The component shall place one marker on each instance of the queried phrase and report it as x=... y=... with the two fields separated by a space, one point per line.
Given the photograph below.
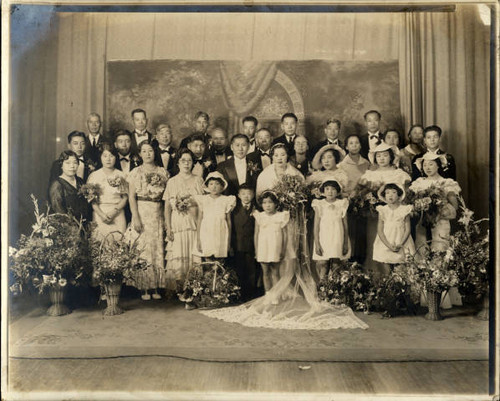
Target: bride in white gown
x=298 y=304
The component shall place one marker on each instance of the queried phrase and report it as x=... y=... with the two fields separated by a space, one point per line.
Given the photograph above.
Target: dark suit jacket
x=92 y=151
x=133 y=146
x=171 y=161
x=227 y=152
x=255 y=157
x=289 y=145
x=55 y=170
x=228 y=170
x=134 y=162
x=243 y=224
x=319 y=145
x=365 y=145
x=448 y=171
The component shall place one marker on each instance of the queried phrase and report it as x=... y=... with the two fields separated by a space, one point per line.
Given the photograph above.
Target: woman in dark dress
x=64 y=192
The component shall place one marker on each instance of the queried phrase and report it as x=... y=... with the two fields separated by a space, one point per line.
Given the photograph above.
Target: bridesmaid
x=180 y=220
x=64 y=191
x=146 y=187
x=109 y=215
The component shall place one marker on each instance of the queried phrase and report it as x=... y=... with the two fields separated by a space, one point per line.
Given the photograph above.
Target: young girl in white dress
x=214 y=218
x=270 y=238
x=393 y=241
x=331 y=239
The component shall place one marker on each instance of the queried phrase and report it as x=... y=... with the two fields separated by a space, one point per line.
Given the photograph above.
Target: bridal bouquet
x=54 y=254
x=428 y=201
x=210 y=285
x=91 y=192
x=292 y=193
x=119 y=183
x=155 y=185
x=183 y=202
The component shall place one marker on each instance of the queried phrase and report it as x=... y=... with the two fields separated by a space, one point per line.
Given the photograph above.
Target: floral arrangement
x=470 y=246
x=392 y=294
x=210 y=285
x=348 y=285
x=115 y=259
x=291 y=192
x=183 y=202
x=119 y=183
x=313 y=189
x=363 y=200
x=55 y=253
x=155 y=185
x=253 y=168
x=428 y=201
x=91 y=192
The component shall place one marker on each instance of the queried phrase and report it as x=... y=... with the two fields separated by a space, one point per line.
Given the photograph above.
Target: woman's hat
x=430 y=156
x=316 y=162
x=382 y=188
x=329 y=179
x=217 y=176
x=382 y=148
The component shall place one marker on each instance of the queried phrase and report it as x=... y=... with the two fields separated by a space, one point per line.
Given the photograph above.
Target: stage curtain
x=445 y=81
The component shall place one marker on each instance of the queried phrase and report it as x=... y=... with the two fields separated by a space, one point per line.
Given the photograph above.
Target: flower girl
x=214 y=218
x=331 y=240
x=270 y=238
x=393 y=239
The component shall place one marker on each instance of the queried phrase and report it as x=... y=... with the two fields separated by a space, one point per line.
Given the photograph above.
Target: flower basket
x=113 y=290
x=209 y=285
x=57 y=294
x=51 y=257
x=434 y=302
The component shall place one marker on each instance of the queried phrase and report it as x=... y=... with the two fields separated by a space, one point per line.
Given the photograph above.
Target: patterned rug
x=167 y=329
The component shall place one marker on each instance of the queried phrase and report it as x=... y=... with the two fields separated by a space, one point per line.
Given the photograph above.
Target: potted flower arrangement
x=115 y=259
x=470 y=246
x=432 y=273
x=210 y=285
x=51 y=257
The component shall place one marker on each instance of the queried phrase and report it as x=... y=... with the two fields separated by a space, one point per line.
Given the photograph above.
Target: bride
x=298 y=306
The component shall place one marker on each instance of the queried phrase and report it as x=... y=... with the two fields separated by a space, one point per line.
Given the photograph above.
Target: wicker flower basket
x=433 y=301
x=113 y=296
x=57 y=294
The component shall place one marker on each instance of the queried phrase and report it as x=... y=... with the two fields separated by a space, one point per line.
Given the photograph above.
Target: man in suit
x=242 y=244
x=77 y=142
x=332 y=131
x=94 y=137
x=250 y=124
x=373 y=136
x=261 y=155
x=201 y=123
x=432 y=138
x=203 y=165
x=220 y=151
x=236 y=170
x=140 y=133
x=127 y=159
x=288 y=127
x=164 y=151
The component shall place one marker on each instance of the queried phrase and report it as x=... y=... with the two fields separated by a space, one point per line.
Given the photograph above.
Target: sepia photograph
x=248 y=200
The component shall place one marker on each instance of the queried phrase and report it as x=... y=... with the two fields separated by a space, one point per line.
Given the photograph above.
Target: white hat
x=431 y=156
x=382 y=188
x=381 y=148
x=329 y=179
x=316 y=162
x=215 y=175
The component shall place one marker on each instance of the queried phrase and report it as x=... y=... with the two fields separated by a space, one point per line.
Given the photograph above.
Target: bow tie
x=164 y=151
x=264 y=154
x=220 y=152
x=141 y=135
x=373 y=136
x=124 y=159
x=199 y=161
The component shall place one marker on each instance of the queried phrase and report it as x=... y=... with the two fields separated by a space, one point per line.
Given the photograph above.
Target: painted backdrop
x=174 y=90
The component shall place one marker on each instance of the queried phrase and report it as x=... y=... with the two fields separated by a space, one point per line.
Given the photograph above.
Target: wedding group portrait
x=228 y=202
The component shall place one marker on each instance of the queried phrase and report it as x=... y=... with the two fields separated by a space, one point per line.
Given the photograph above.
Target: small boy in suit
x=243 y=224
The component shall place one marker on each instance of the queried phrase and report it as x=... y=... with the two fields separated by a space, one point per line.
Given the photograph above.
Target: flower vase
x=434 y=302
x=112 y=298
x=57 y=308
x=484 y=313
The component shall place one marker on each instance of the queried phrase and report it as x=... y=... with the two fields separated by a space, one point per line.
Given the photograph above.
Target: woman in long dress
x=298 y=306
x=180 y=220
x=147 y=184
x=64 y=191
x=109 y=215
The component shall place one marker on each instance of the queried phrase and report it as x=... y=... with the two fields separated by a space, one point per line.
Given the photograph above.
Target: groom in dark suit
x=238 y=170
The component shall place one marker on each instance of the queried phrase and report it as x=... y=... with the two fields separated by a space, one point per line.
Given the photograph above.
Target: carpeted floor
x=167 y=329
